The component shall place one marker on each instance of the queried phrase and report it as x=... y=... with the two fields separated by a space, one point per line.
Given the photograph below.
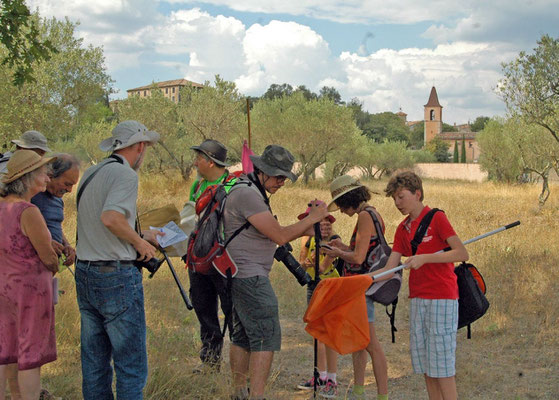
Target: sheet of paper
x=173 y=235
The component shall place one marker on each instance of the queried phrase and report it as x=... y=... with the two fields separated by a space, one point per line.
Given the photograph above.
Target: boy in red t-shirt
x=432 y=284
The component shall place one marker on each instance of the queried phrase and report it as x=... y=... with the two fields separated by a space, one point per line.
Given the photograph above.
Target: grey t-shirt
x=4 y=163
x=114 y=187
x=252 y=251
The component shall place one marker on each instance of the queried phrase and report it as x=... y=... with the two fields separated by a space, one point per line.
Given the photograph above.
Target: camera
x=152 y=265
x=283 y=254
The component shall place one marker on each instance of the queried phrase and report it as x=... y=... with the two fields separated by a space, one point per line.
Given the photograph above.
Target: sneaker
x=353 y=396
x=330 y=391
x=309 y=385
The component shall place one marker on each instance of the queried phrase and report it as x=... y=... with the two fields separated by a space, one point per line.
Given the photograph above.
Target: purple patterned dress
x=26 y=308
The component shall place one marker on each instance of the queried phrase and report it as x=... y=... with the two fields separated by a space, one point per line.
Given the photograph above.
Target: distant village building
x=433 y=118
x=170 y=89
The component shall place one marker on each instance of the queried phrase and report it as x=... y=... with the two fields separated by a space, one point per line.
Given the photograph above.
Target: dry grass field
x=513 y=353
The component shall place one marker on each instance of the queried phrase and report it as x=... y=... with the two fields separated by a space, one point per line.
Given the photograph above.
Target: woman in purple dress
x=27 y=264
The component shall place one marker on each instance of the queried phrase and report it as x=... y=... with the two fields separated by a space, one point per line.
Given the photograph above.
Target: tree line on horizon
x=52 y=82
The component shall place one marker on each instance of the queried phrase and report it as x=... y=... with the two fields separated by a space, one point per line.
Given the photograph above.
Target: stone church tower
x=433 y=117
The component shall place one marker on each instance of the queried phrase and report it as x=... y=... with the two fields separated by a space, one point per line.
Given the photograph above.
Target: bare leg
x=239 y=359
x=380 y=366
x=11 y=375
x=447 y=387
x=3 y=378
x=30 y=383
x=260 y=363
x=321 y=356
x=433 y=389
x=331 y=360
x=359 y=365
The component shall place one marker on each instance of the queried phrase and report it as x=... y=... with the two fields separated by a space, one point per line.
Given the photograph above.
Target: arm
x=303 y=252
x=365 y=229
x=457 y=253
x=33 y=226
x=392 y=262
x=68 y=251
x=118 y=225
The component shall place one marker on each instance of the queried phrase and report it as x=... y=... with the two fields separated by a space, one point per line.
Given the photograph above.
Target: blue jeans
x=113 y=325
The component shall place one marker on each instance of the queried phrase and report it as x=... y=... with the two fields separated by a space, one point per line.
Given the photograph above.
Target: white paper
x=173 y=235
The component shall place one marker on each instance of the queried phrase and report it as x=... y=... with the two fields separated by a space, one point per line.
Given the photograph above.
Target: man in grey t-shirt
x=256 y=329
x=108 y=285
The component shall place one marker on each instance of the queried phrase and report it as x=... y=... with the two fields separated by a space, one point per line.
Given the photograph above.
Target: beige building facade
x=170 y=89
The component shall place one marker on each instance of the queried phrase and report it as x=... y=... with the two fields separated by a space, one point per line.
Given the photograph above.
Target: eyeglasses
x=280 y=178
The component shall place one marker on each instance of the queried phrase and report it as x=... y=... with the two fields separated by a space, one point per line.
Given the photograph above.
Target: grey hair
x=20 y=186
x=63 y=163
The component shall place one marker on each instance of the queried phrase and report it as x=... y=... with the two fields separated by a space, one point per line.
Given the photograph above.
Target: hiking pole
x=179 y=284
x=317 y=240
x=474 y=239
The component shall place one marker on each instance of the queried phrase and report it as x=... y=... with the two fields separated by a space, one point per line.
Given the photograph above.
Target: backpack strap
x=378 y=227
x=88 y=180
x=422 y=229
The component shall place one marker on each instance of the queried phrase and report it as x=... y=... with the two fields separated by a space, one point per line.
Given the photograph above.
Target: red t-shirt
x=431 y=281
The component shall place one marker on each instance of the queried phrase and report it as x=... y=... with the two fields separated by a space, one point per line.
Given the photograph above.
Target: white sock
x=323 y=375
x=332 y=376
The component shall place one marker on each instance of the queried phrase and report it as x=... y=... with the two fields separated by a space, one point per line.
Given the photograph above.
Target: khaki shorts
x=255 y=315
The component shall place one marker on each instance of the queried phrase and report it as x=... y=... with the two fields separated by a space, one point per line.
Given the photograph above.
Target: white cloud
x=283 y=52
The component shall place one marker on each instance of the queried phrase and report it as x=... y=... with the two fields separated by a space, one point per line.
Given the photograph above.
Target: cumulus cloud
x=283 y=52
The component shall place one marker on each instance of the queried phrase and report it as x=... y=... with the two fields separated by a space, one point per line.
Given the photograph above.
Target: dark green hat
x=274 y=161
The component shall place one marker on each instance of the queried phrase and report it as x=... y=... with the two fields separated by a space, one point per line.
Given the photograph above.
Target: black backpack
x=472 y=303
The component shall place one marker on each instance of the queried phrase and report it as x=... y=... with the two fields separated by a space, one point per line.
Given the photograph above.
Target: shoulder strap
x=422 y=229
x=378 y=226
x=90 y=177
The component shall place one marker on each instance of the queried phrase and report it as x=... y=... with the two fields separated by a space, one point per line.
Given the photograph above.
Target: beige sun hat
x=22 y=162
x=340 y=186
x=126 y=134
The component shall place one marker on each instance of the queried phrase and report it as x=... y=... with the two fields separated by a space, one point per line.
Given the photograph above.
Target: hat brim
x=21 y=144
x=332 y=206
x=271 y=171
x=215 y=160
x=9 y=179
x=147 y=136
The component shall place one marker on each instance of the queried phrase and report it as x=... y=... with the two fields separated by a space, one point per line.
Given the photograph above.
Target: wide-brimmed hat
x=308 y=210
x=22 y=162
x=126 y=134
x=274 y=161
x=32 y=140
x=340 y=186
x=214 y=150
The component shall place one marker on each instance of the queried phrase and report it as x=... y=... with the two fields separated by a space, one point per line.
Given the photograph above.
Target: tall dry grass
x=513 y=352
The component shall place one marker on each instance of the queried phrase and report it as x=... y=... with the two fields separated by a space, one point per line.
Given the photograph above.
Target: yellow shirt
x=330 y=271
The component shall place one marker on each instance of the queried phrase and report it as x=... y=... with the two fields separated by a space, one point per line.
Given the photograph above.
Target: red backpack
x=207 y=247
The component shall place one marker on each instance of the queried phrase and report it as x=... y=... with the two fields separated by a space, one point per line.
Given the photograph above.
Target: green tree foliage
x=311 y=130
x=331 y=93
x=514 y=151
x=455 y=155
x=530 y=87
x=479 y=124
x=391 y=156
x=422 y=156
x=276 y=91
x=463 y=150
x=306 y=92
x=416 y=135
x=500 y=157
x=439 y=148
x=386 y=126
x=70 y=88
x=22 y=42
x=449 y=128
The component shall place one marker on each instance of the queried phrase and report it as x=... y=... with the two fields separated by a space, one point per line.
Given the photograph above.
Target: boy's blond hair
x=407 y=180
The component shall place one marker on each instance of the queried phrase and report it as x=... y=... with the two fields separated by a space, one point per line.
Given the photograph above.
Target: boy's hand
x=416 y=261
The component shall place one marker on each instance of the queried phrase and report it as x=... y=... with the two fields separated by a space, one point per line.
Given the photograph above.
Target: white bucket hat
x=126 y=134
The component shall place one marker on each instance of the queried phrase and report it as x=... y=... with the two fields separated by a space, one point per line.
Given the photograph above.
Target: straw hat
x=340 y=186
x=22 y=162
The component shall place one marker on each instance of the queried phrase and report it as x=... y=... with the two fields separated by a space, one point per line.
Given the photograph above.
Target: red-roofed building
x=170 y=89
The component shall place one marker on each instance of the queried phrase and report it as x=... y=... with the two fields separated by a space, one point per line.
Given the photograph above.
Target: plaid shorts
x=433 y=325
x=256 y=324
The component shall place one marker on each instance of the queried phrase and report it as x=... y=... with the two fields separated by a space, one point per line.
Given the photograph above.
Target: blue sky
x=387 y=54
